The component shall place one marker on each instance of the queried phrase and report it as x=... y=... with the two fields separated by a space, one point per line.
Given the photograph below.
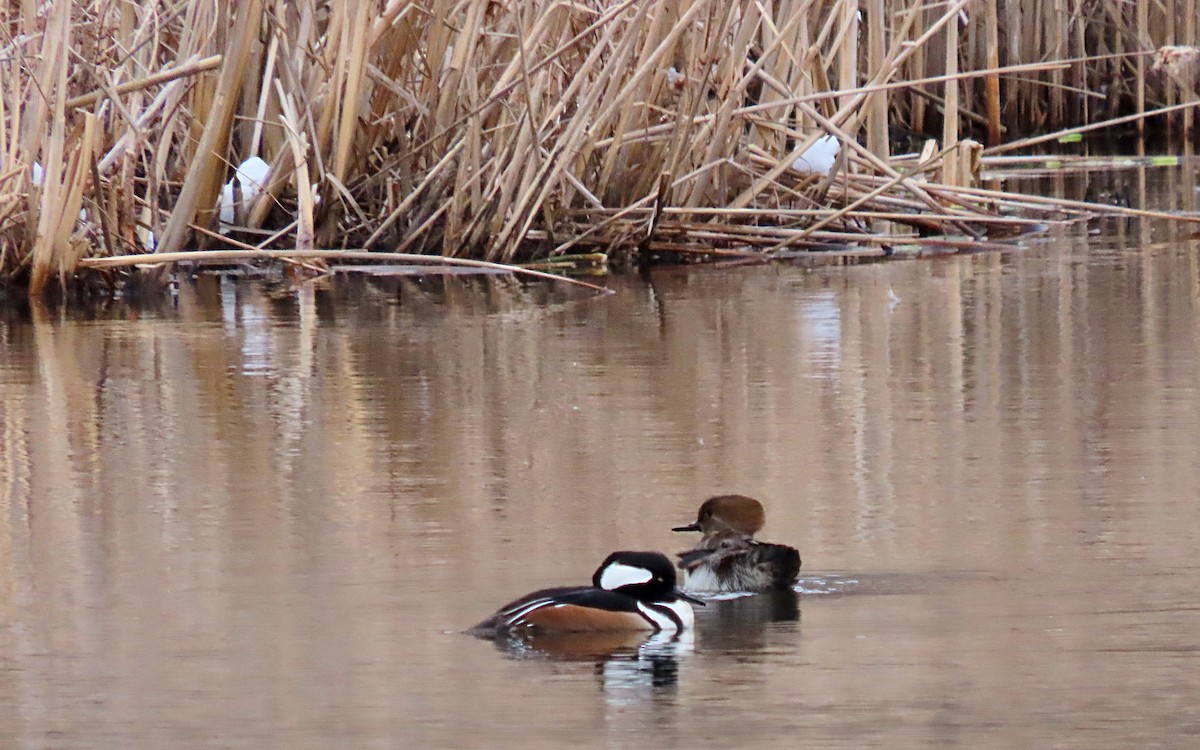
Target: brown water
x=258 y=519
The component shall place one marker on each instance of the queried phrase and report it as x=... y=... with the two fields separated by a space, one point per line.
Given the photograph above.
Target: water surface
x=259 y=518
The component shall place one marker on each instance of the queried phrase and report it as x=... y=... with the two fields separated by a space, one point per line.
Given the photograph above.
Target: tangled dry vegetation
x=509 y=131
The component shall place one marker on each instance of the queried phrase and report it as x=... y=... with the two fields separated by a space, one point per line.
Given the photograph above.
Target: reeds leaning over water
x=511 y=130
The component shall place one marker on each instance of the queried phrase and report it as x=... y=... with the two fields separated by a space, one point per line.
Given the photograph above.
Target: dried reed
x=510 y=131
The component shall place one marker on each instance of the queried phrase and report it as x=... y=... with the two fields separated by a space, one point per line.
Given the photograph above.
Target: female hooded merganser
x=728 y=558
x=629 y=591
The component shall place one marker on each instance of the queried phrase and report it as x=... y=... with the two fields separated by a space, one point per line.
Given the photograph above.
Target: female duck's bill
x=630 y=591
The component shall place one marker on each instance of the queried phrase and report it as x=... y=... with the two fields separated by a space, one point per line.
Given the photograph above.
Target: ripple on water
x=826 y=584
x=843 y=584
x=881 y=584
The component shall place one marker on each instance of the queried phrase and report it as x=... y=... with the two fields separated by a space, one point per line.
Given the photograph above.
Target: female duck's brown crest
x=728 y=514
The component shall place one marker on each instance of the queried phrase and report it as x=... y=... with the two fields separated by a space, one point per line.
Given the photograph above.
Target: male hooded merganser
x=629 y=591
x=728 y=558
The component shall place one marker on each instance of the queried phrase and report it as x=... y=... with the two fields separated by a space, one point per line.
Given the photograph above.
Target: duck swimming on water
x=630 y=591
x=728 y=558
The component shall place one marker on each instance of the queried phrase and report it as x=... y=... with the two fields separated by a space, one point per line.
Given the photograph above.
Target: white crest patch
x=618 y=574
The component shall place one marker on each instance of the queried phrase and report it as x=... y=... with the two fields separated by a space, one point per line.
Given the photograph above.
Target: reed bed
x=523 y=130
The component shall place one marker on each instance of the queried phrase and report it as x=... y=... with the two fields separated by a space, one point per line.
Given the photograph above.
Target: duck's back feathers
x=567 y=609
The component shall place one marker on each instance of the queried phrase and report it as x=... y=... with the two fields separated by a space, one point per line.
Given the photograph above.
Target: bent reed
x=530 y=129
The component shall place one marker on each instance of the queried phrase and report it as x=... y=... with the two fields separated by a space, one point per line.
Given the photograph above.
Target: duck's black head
x=648 y=576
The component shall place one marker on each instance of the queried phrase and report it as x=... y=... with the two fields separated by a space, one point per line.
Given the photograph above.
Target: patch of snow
x=148 y=239
x=251 y=178
x=819 y=157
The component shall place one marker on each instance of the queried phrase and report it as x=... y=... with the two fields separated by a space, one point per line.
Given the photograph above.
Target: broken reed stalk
x=253 y=255
x=950 y=169
x=1143 y=37
x=49 y=244
x=1189 y=34
x=991 y=22
x=507 y=131
x=878 y=140
x=1139 y=117
x=187 y=68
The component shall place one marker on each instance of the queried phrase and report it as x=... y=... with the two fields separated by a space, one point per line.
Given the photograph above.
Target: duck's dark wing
x=747 y=564
x=717 y=553
x=566 y=610
x=693 y=557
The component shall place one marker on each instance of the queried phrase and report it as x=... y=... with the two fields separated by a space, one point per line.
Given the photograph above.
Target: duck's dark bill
x=689 y=598
x=689 y=527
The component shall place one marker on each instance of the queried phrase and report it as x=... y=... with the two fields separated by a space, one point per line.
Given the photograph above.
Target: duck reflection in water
x=743 y=623
x=628 y=665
